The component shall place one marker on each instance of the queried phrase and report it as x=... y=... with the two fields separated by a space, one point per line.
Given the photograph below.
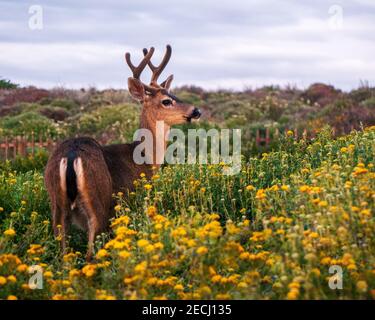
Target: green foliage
x=64 y=103
x=362 y=93
x=117 y=122
x=36 y=162
x=7 y=84
x=110 y=116
x=369 y=103
x=189 y=97
x=25 y=123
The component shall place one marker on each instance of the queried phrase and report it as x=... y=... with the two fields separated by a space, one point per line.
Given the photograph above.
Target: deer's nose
x=196 y=113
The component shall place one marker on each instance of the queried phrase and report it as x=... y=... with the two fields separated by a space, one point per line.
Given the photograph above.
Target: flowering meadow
x=270 y=232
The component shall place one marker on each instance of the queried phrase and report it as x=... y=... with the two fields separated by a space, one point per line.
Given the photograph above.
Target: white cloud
x=216 y=44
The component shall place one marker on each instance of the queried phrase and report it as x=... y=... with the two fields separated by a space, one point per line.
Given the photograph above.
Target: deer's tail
x=71 y=177
x=70 y=167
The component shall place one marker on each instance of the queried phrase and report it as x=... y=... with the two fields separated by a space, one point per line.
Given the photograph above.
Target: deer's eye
x=167 y=102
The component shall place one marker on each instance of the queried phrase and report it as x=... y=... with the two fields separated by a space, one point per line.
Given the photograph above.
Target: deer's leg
x=93 y=225
x=87 y=204
x=60 y=210
x=93 y=231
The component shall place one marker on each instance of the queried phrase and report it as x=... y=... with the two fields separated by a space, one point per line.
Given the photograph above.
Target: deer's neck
x=159 y=131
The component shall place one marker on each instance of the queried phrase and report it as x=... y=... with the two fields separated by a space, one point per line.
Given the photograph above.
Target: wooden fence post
x=49 y=144
x=277 y=133
x=14 y=147
x=32 y=143
x=40 y=140
x=304 y=134
x=6 y=148
x=267 y=137
x=24 y=146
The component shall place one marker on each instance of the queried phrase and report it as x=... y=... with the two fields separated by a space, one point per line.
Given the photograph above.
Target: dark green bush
x=117 y=123
x=67 y=104
x=25 y=123
x=7 y=84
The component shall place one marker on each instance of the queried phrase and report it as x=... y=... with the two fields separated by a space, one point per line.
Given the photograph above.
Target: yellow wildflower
x=124 y=254
x=178 y=287
x=250 y=188
x=344 y=149
x=323 y=203
x=22 y=268
x=362 y=286
x=102 y=253
x=141 y=267
x=202 y=250
x=151 y=211
x=142 y=243
x=89 y=270
x=10 y=233
x=3 y=280
x=293 y=294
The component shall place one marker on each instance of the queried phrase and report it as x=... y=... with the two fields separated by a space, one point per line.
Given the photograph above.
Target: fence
x=22 y=146
x=263 y=137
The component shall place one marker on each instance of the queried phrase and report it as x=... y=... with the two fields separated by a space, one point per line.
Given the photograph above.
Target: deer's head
x=158 y=103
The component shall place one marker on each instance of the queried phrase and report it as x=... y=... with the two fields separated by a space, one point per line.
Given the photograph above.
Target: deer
x=82 y=175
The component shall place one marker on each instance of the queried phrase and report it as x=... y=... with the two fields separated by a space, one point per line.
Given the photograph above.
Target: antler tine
x=138 y=70
x=150 y=64
x=156 y=71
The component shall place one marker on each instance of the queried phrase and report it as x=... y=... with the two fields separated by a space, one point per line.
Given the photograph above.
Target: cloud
x=227 y=44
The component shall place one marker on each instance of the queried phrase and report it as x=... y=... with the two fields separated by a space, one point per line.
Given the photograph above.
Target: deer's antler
x=138 y=70
x=156 y=71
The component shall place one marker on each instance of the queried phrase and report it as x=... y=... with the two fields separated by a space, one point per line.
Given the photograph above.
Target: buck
x=81 y=175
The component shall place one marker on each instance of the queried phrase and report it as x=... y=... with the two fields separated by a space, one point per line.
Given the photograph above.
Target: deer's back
x=123 y=169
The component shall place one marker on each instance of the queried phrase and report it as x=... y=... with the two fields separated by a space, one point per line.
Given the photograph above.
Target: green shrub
x=7 y=84
x=37 y=162
x=54 y=113
x=369 y=103
x=189 y=97
x=361 y=94
x=26 y=123
x=67 y=104
x=117 y=123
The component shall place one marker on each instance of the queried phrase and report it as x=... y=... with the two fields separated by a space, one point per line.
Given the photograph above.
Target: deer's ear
x=136 y=89
x=167 y=83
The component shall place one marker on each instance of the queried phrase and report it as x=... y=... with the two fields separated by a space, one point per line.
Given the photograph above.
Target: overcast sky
x=216 y=44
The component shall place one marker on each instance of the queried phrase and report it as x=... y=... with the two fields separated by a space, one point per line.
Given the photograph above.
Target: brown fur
x=101 y=171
